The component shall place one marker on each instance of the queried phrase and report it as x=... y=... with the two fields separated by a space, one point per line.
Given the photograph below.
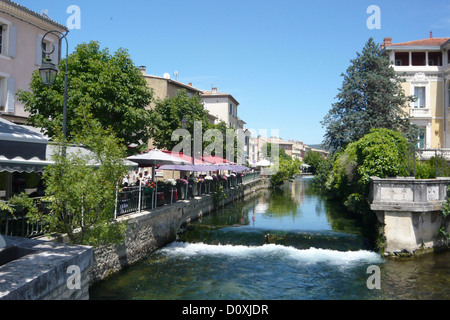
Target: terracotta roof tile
x=423 y=42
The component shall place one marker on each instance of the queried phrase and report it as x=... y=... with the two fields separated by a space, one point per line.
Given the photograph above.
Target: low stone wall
x=40 y=270
x=148 y=231
x=409 y=210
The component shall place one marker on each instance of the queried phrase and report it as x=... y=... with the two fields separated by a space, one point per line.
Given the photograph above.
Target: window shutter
x=11 y=95
x=39 y=50
x=12 y=41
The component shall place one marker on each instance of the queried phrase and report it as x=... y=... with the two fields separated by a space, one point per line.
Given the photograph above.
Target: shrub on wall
x=382 y=153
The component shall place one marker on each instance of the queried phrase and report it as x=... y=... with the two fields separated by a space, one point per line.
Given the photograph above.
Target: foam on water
x=311 y=255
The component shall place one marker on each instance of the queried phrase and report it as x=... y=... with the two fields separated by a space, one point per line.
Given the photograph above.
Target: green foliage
x=219 y=195
x=168 y=113
x=427 y=169
x=81 y=190
x=445 y=213
x=285 y=168
x=104 y=86
x=371 y=97
x=4 y=206
x=166 y=119
x=324 y=173
x=314 y=159
x=381 y=153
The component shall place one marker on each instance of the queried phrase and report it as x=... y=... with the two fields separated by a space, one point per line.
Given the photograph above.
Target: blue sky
x=282 y=60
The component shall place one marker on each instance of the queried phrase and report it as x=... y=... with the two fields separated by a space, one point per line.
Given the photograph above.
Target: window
x=230 y=109
x=8 y=34
x=47 y=46
x=421 y=143
x=418 y=58
x=448 y=96
x=401 y=58
x=3 y=94
x=44 y=49
x=419 y=93
x=1 y=39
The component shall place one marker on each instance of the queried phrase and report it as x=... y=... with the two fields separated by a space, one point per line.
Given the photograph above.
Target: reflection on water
x=281 y=244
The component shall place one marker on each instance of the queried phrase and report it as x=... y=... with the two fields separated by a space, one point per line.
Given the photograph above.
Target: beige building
x=425 y=65
x=298 y=149
x=164 y=87
x=224 y=107
x=259 y=142
x=21 y=33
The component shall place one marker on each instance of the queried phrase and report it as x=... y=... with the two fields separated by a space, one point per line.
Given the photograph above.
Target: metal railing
x=17 y=223
x=128 y=200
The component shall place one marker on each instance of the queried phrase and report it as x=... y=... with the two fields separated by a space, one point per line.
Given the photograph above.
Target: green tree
x=314 y=159
x=168 y=113
x=107 y=87
x=381 y=153
x=81 y=189
x=286 y=167
x=371 y=97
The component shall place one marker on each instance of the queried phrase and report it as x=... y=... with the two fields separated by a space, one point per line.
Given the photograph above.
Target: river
x=288 y=244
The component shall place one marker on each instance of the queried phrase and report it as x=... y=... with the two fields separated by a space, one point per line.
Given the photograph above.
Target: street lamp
x=184 y=123
x=48 y=72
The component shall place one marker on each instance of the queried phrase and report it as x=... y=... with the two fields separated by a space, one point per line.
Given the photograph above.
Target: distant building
x=298 y=150
x=21 y=33
x=224 y=107
x=165 y=87
x=324 y=153
x=425 y=65
x=259 y=142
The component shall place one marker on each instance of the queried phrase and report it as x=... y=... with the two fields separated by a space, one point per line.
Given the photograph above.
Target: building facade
x=21 y=34
x=224 y=107
x=425 y=65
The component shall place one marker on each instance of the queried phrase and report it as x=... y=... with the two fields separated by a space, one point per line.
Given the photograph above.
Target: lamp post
x=48 y=72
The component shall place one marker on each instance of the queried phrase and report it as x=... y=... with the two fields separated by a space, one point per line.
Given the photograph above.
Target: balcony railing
x=419 y=112
x=427 y=154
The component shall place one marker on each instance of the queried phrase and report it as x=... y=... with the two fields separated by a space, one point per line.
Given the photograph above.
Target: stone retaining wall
x=148 y=231
x=47 y=271
x=409 y=210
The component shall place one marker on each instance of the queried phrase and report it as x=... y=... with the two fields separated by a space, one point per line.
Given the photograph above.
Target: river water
x=288 y=244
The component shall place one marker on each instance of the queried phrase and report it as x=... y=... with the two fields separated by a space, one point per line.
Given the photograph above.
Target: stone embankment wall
x=42 y=270
x=148 y=231
x=410 y=211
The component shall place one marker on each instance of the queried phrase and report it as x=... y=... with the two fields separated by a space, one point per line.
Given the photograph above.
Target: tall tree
x=107 y=87
x=371 y=97
x=168 y=114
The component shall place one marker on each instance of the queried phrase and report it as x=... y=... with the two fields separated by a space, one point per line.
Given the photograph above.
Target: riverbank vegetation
x=368 y=134
x=284 y=168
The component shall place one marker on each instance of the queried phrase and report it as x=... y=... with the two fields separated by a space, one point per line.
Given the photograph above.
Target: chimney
x=190 y=84
x=431 y=34
x=387 y=41
x=143 y=70
x=214 y=90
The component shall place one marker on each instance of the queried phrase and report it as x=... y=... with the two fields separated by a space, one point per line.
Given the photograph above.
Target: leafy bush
x=381 y=153
x=427 y=169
